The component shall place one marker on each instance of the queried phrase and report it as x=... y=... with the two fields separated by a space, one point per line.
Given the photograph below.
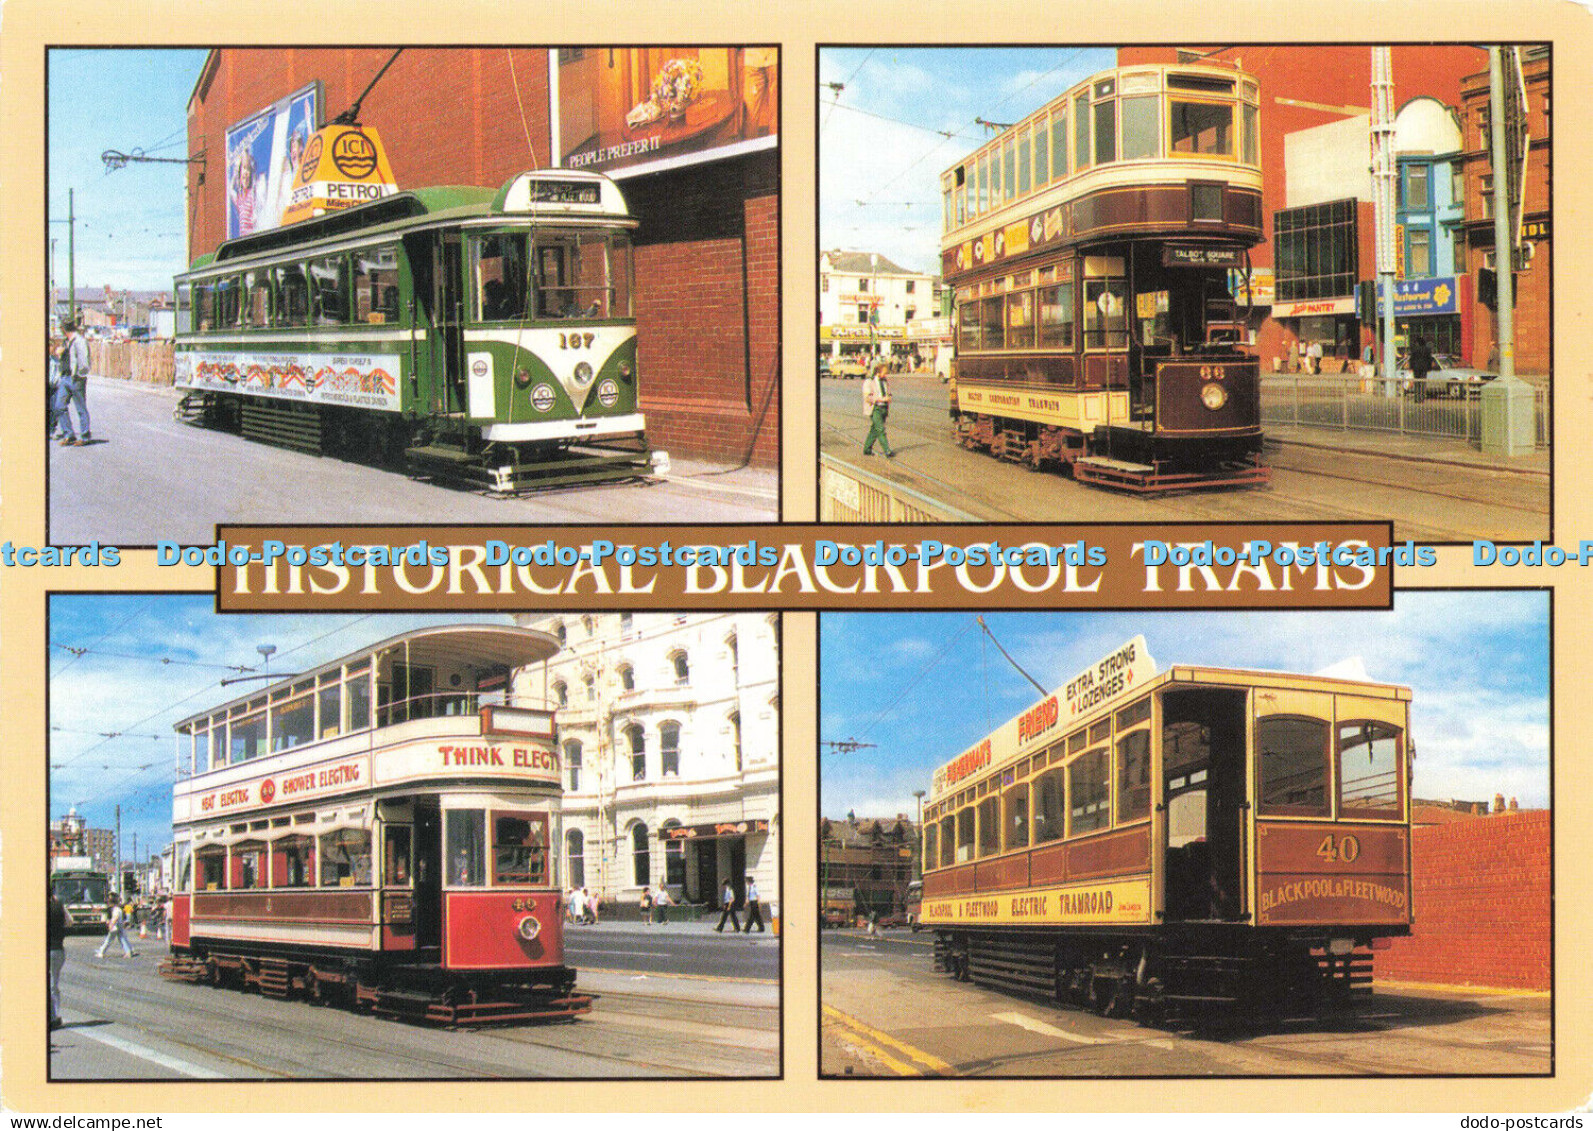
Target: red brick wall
x=708 y=279
x=1482 y=904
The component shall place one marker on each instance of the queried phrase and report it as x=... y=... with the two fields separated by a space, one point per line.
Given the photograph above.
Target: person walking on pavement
x=661 y=905
x=876 y=407
x=647 y=907
x=72 y=392
x=754 y=915
x=1421 y=364
x=728 y=898
x=115 y=928
x=55 y=943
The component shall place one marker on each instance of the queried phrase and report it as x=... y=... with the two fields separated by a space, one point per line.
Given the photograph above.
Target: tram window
x=1105 y=319
x=1293 y=752
x=293 y=295
x=201 y=748
x=1056 y=317
x=498 y=277
x=346 y=858
x=329 y=706
x=396 y=859
x=292 y=862
x=247 y=738
x=1049 y=807
x=1140 y=127
x=467 y=833
x=1369 y=770
x=1133 y=776
x=1105 y=131
x=257 y=298
x=328 y=293
x=185 y=865
x=982 y=204
x=1024 y=150
x=1136 y=712
x=1101 y=731
x=1248 y=138
x=931 y=848
x=1201 y=127
x=1020 y=320
x=622 y=277
x=293 y=723
x=989 y=826
x=204 y=306
x=992 y=323
x=376 y=285
x=948 y=842
x=965 y=835
x=1042 y=153
x=359 y=697
x=229 y=302
x=212 y=869
x=1090 y=788
x=1016 y=803
x=1081 y=132
x=185 y=311
x=968 y=331
x=247 y=871
x=520 y=848
x=1059 y=142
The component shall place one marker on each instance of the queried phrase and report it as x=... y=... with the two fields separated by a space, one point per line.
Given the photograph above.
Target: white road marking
x=636 y=953
x=142 y=1053
x=1034 y=1025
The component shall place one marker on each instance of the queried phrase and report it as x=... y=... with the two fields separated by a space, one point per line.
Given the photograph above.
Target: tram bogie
x=1199 y=843
x=1094 y=250
x=475 y=336
x=355 y=836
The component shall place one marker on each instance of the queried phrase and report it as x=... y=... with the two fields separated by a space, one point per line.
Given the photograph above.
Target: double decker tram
x=1092 y=249
x=1189 y=843
x=380 y=832
x=480 y=335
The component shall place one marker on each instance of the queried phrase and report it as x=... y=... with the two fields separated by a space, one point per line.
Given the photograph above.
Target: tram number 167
x=1345 y=849
x=576 y=341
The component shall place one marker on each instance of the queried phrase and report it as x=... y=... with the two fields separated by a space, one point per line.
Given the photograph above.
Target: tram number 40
x=576 y=341
x=1339 y=849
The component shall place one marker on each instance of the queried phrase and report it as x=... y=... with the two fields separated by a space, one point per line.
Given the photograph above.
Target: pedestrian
x=1421 y=364
x=591 y=907
x=661 y=905
x=1342 y=352
x=52 y=371
x=160 y=919
x=647 y=907
x=1294 y=355
x=873 y=921
x=727 y=897
x=115 y=928
x=1314 y=354
x=876 y=407
x=55 y=943
x=754 y=914
x=1368 y=360
x=72 y=392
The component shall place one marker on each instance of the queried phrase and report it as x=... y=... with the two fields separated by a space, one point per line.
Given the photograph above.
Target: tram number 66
x=1342 y=849
x=576 y=341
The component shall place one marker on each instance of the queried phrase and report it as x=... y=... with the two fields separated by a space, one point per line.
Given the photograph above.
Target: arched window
x=641 y=856
x=735 y=739
x=561 y=632
x=561 y=694
x=735 y=654
x=627 y=622
x=590 y=683
x=637 y=738
x=627 y=677
x=572 y=762
x=575 y=858
x=669 y=749
x=682 y=668
x=674 y=858
x=586 y=626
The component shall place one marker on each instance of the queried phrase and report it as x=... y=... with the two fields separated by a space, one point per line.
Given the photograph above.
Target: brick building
x=707 y=248
x=865 y=865
x=1482 y=899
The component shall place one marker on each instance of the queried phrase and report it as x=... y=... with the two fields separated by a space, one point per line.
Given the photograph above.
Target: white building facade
x=669 y=727
x=869 y=305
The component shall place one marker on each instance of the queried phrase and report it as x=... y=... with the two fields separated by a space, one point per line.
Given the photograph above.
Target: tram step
x=1121 y=467
x=442 y=453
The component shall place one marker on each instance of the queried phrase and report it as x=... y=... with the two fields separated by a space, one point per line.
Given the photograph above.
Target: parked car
x=847 y=367
x=824 y=365
x=1448 y=378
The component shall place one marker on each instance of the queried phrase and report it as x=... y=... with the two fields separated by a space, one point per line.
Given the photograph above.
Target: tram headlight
x=522 y=377
x=528 y=928
x=583 y=373
x=1213 y=396
x=625 y=370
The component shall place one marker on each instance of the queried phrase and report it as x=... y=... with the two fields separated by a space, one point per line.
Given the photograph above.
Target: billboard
x=263 y=155
x=630 y=110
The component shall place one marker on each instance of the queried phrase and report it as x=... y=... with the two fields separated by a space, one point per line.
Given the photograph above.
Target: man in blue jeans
x=73 y=389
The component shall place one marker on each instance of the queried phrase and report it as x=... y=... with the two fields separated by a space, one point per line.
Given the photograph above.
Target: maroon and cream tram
x=1179 y=843
x=1094 y=250
x=380 y=831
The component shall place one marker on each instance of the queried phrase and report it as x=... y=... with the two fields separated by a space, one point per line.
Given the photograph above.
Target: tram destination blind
x=563 y=192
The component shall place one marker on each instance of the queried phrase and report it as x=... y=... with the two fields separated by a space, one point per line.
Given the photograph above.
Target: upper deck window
x=1293 y=754
x=1201 y=127
x=1106 y=132
x=1081 y=131
x=989 y=826
x=1089 y=790
x=1371 y=781
x=1042 y=153
x=1016 y=804
x=1049 y=806
x=1025 y=147
x=1140 y=126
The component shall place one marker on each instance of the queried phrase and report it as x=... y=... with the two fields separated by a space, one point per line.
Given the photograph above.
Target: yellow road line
x=865 y=1051
x=933 y=1063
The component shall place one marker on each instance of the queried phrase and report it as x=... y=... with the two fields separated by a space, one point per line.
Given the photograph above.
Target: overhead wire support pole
x=1384 y=177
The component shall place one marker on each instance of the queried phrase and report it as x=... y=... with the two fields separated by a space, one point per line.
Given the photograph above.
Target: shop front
x=700 y=858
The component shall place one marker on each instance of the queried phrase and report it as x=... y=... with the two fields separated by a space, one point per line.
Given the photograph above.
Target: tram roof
x=436 y=205
x=508 y=646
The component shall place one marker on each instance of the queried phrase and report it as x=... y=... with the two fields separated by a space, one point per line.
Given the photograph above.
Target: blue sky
x=922 y=687
x=882 y=138
x=130 y=229
x=151 y=660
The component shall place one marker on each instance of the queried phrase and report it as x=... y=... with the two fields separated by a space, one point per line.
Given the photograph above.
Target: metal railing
x=850 y=494
x=1370 y=405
